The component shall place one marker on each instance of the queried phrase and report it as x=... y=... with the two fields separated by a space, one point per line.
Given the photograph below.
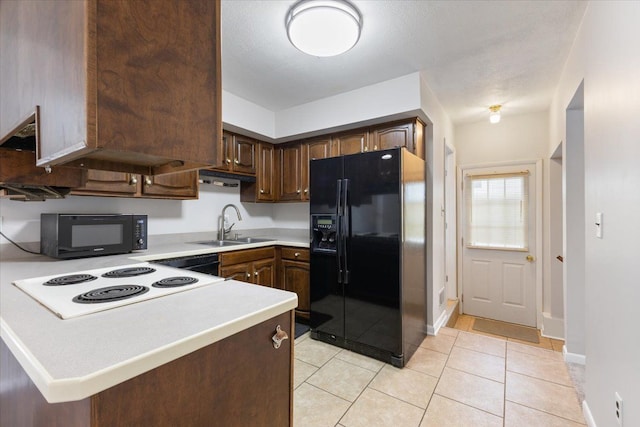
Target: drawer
x=296 y=254
x=247 y=255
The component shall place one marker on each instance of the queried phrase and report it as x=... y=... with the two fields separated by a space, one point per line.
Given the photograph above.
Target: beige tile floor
x=458 y=378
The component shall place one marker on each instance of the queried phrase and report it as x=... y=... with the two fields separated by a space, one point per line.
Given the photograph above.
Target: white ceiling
x=472 y=53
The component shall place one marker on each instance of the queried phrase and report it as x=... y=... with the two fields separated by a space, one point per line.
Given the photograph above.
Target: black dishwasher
x=207 y=263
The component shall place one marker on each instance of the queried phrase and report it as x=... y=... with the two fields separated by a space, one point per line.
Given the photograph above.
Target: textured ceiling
x=472 y=53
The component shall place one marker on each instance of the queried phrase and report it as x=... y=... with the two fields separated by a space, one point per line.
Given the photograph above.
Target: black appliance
x=86 y=235
x=207 y=263
x=368 y=253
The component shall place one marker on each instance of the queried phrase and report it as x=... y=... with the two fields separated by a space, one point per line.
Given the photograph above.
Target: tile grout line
x=437 y=382
x=545 y=412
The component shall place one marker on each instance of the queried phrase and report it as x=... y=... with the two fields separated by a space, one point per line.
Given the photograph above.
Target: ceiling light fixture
x=494 y=115
x=323 y=27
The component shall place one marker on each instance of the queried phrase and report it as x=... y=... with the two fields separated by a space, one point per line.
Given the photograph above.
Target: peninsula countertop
x=75 y=358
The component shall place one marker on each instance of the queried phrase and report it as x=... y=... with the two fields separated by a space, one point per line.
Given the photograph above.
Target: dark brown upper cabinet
x=179 y=185
x=319 y=148
x=239 y=154
x=352 y=142
x=130 y=86
x=264 y=187
x=291 y=162
x=400 y=134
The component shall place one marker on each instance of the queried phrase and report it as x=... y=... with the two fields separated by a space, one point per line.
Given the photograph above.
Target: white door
x=499 y=243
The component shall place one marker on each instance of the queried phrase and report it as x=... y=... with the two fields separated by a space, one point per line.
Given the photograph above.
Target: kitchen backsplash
x=21 y=221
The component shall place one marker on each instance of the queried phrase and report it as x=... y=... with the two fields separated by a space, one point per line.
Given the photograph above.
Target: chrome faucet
x=222 y=232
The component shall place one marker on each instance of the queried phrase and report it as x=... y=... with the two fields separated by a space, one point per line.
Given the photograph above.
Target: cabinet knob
x=261 y=191
x=236 y=161
x=279 y=337
x=133 y=180
x=148 y=181
x=366 y=148
x=228 y=161
x=299 y=191
x=255 y=274
x=306 y=190
x=248 y=275
x=375 y=147
x=297 y=254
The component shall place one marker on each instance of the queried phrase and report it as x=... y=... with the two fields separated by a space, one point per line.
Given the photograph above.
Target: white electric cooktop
x=90 y=291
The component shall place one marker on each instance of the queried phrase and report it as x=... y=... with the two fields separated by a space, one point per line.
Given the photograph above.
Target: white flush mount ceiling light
x=494 y=115
x=323 y=27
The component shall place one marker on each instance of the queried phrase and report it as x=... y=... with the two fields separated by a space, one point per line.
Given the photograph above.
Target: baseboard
x=586 y=412
x=552 y=327
x=580 y=359
x=433 y=329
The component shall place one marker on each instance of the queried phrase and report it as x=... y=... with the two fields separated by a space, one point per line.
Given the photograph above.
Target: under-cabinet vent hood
x=226 y=175
x=34 y=193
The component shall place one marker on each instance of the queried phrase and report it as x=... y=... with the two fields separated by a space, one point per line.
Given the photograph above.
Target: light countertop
x=75 y=358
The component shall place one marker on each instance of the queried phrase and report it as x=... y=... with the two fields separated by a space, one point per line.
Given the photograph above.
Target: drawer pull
x=133 y=180
x=297 y=254
x=279 y=337
x=148 y=181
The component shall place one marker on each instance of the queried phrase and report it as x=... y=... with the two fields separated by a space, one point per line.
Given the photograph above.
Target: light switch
x=599 y=225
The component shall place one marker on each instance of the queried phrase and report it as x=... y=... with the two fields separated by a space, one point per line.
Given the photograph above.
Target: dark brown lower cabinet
x=239 y=381
x=295 y=277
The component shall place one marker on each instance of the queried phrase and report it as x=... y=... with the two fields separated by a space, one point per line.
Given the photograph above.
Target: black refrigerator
x=368 y=253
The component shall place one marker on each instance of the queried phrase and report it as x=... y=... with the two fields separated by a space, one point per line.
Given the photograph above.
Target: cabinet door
x=107 y=183
x=241 y=272
x=295 y=277
x=291 y=173
x=244 y=155
x=319 y=148
x=181 y=185
x=353 y=143
x=264 y=272
x=266 y=173
x=401 y=135
x=315 y=149
x=227 y=151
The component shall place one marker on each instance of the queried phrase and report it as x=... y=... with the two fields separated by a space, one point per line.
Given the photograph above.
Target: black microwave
x=84 y=235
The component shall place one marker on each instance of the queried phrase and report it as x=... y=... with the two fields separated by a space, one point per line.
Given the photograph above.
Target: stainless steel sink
x=233 y=242
x=218 y=243
x=249 y=240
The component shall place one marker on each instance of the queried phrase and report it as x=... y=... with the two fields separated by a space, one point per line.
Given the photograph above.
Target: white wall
x=370 y=102
x=439 y=128
x=21 y=220
x=605 y=55
x=516 y=137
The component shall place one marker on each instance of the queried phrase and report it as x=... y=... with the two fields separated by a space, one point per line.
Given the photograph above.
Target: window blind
x=497 y=211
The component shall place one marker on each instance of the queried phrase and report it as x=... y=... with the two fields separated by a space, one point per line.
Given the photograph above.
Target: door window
x=497 y=211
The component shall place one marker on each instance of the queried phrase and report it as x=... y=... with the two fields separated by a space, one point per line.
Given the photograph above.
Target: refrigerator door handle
x=345 y=232
x=339 y=211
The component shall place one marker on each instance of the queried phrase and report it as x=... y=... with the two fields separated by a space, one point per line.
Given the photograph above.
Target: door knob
x=530 y=258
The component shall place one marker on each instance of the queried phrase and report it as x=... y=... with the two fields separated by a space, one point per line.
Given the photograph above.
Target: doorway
x=501 y=241
x=574 y=224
